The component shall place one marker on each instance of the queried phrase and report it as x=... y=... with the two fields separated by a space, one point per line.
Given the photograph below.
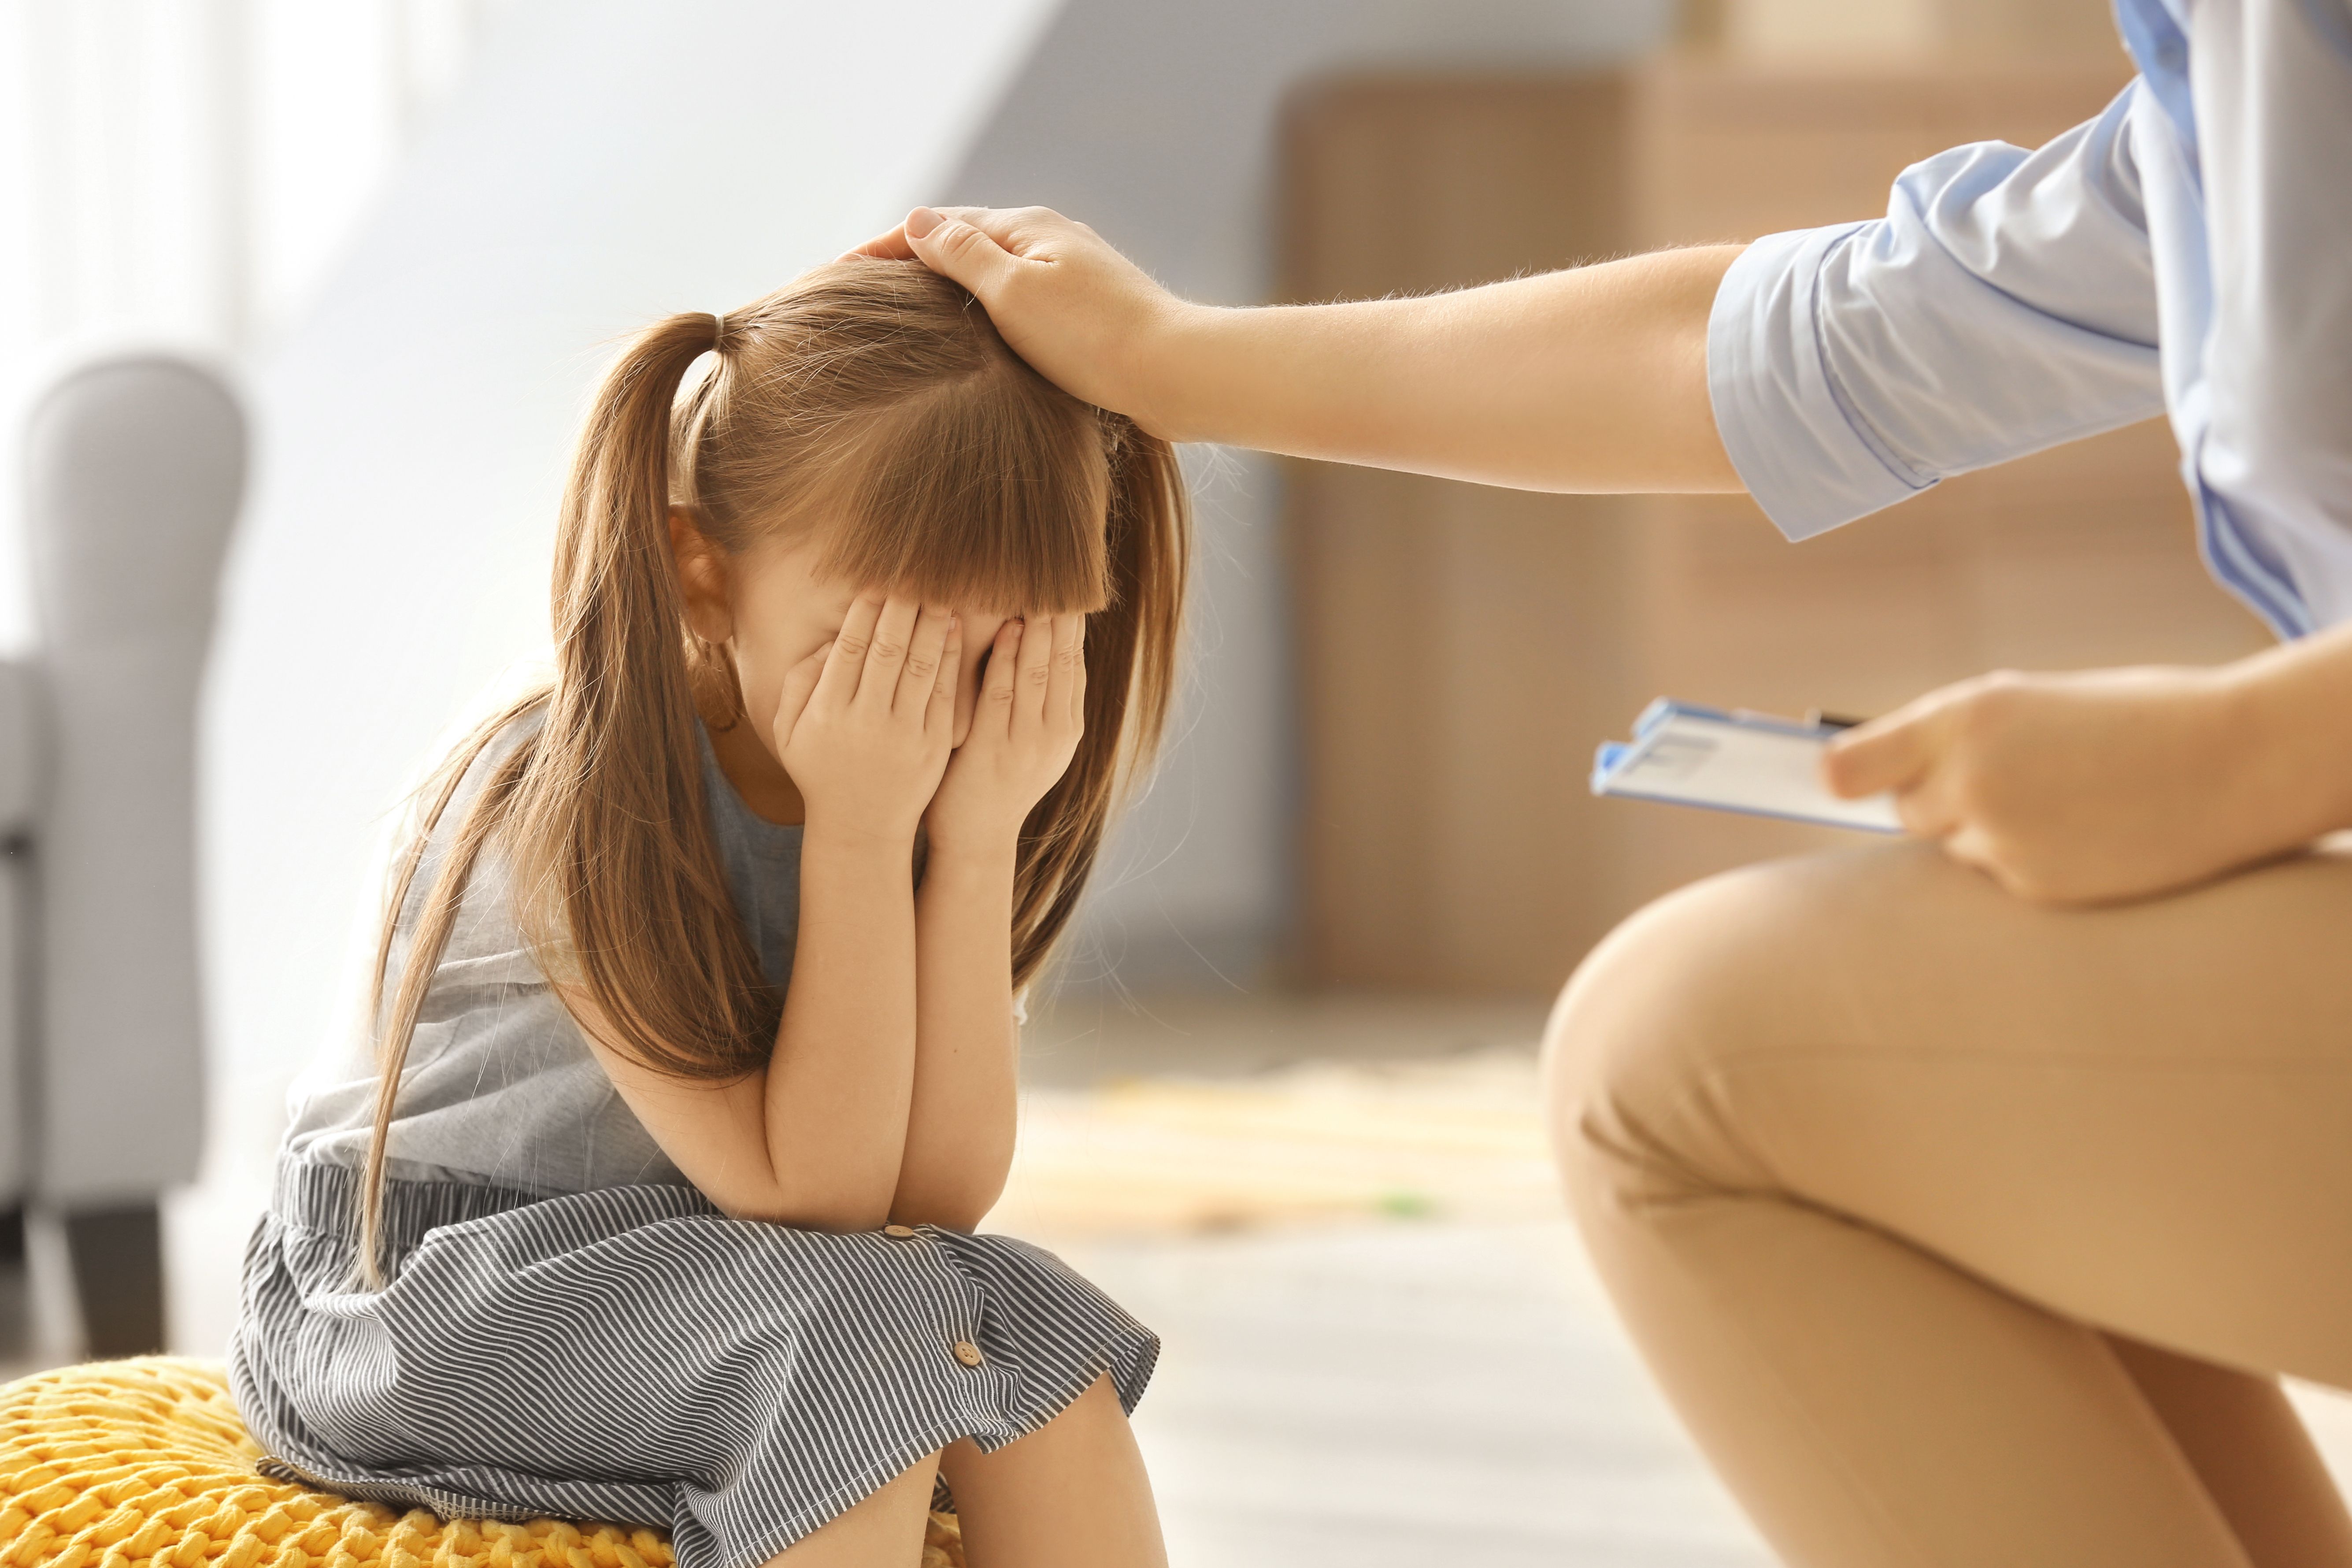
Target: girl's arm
x=1024 y=730
x=1592 y=379
x=816 y=1138
x=961 y=1125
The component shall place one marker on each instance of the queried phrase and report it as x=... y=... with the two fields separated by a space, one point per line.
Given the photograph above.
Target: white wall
x=186 y=171
x=1156 y=124
x=606 y=162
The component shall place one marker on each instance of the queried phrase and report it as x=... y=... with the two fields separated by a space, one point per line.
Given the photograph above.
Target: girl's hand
x=2070 y=788
x=1024 y=730
x=1088 y=319
x=866 y=722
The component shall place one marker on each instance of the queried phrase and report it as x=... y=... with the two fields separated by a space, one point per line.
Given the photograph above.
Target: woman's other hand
x=866 y=722
x=1086 y=316
x=1024 y=730
x=2073 y=788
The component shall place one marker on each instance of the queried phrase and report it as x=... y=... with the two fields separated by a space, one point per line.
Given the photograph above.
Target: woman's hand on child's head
x=2065 y=788
x=1026 y=728
x=866 y=724
x=1084 y=315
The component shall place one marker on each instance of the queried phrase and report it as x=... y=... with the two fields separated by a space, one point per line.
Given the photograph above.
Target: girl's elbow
x=963 y=1217
x=838 y=1207
x=834 y=1218
x=960 y=1205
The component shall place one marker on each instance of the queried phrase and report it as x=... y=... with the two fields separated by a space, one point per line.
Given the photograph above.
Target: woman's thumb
x=954 y=248
x=1887 y=755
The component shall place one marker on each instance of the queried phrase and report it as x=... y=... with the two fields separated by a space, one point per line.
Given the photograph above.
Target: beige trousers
x=1967 y=1233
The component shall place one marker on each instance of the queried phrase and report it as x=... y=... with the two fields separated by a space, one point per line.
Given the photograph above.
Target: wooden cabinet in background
x=1463 y=649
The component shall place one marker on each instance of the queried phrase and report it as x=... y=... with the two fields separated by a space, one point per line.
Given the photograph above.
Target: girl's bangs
x=980 y=516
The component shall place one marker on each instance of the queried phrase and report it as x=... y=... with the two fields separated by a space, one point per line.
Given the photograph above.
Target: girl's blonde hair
x=874 y=401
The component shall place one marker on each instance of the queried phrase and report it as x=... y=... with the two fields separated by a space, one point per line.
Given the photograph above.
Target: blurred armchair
x=134 y=468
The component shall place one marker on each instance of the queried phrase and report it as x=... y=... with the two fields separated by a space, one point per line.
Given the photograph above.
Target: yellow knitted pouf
x=126 y=1463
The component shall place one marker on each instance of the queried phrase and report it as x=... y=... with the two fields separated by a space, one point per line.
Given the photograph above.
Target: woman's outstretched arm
x=1589 y=380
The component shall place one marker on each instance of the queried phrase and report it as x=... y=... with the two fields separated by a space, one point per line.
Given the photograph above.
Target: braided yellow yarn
x=129 y=1464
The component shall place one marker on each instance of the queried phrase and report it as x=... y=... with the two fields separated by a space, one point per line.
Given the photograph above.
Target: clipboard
x=1683 y=753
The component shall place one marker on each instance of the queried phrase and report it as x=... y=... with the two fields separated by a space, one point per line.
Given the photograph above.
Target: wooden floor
x=1382 y=1343
x=1402 y=1395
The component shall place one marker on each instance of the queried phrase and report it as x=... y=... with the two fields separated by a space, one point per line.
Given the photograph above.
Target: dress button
x=966 y=1351
x=899 y=1232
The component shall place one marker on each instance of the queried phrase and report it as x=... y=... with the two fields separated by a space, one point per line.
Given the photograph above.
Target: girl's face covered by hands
x=772 y=610
x=857 y=699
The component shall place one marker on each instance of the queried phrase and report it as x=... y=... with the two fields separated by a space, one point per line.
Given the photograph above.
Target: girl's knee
x=1096 y=1410
x=885 y=1526
x=1071 y=1492
x=1094 y=1418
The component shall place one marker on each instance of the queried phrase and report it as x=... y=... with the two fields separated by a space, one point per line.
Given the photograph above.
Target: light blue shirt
x=2188 y=251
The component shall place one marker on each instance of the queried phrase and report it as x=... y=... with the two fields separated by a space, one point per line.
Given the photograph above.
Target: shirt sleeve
x=2275 y=116
x=2005 y=304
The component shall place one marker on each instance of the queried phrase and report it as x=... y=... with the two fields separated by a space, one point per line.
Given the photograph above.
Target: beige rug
x=1456 y=1138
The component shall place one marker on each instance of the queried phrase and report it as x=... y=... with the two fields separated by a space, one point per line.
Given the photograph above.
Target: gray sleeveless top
x=500 y=1087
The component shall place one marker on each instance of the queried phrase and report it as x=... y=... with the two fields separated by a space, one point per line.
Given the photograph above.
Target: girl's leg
x=885 y=1531
x=1071 y=1494
x=1896 y=1179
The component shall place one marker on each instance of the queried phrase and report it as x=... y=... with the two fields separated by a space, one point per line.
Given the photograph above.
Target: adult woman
x=1967 y=1203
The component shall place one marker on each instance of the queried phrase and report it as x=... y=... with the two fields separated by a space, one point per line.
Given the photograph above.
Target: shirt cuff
x=1787 y=430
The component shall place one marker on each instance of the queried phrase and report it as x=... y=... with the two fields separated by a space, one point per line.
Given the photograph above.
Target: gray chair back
x=134 y=470
x=20 y=753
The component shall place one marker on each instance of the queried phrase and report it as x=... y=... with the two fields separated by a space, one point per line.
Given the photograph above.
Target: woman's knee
x=1639 y=1044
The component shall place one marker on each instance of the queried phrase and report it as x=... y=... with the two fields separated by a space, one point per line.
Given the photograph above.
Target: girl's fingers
x=920 y=675
x=994 y=712
x=800 y=685
x=886 y=656
x=1059 y=670
x=844 y=669
x=940 y=709
x=1034 y=673
x=1077 y=684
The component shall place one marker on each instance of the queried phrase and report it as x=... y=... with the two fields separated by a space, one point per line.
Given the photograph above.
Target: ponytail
x=602 y=809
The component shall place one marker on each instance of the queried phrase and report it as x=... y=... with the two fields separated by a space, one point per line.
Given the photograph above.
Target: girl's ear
x=701 y=578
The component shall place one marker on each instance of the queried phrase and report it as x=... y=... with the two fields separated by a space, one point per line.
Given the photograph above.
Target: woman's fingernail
x=921 y=222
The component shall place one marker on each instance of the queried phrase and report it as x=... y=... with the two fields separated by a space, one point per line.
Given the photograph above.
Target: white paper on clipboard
x=1685 y=754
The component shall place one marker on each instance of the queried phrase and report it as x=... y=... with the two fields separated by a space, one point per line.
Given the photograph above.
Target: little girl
x=693 y=1015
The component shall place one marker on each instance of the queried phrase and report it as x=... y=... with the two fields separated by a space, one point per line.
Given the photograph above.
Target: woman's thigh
x=2138 y=1116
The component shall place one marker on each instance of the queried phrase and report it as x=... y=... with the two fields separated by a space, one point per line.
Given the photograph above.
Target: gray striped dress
x=572 y=1330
